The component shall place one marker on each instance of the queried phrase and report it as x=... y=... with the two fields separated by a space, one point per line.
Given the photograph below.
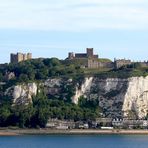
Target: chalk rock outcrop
x=84 y=88
x=136 y=97
x=22 y=94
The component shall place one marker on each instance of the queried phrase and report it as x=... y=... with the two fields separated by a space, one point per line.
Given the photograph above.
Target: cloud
x=78 y=15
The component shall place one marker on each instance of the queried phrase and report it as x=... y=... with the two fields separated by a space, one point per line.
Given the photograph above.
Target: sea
x=74 y=141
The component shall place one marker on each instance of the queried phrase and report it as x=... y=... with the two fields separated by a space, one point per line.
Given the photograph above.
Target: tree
x=23 y=78
x=4 y=115
x=41 y=116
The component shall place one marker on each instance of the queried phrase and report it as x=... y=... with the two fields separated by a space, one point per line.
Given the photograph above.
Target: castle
x=19 y=57
x=90 y=60
x=86 y=60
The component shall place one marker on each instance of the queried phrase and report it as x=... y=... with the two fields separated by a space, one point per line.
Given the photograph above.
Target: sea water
x=74 y=141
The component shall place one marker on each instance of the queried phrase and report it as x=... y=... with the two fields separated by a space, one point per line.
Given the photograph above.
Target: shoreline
x=19 y=132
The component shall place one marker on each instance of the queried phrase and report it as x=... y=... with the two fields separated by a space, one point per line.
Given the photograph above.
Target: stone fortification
x=19 y=57
x=93 y=60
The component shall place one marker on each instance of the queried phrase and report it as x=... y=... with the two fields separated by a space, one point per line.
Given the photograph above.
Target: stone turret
x=71 y=55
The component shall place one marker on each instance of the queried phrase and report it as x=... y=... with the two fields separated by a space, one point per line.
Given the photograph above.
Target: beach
x=10 y=132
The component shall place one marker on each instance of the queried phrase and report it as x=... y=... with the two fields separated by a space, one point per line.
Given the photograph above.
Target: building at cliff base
x=19 y=57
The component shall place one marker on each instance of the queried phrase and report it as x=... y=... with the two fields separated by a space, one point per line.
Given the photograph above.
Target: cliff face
x=22 y=94
x=84 y=89
x=110 y=93
x=117 y=97
x=136 y=97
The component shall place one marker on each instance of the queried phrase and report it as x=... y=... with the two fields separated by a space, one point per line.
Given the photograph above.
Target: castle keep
x=89 y=54
x=91 y=60
x=19 y=57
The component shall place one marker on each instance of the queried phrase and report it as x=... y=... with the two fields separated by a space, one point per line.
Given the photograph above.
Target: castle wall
x=122 y=62
x=95 y=56
x=92 y=63
x=143 y=64
x=106 y=65
x=80 y=55
x=29 y=56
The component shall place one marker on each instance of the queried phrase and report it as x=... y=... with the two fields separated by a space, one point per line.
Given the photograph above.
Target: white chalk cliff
x=110 y=93
x=116 y=96
x=22 y=94
x=136 y=97
x=85 y=87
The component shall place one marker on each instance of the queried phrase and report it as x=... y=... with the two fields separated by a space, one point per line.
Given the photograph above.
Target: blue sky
x=51 y=28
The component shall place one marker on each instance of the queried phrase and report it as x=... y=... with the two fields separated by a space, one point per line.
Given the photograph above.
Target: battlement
x=19 y=57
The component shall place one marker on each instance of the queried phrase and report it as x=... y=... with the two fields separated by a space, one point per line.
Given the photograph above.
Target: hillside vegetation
x=41 y=69
x=44 y=107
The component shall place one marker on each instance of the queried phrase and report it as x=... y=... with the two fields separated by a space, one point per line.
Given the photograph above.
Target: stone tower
x=90 y=52
x=71 y=55
x=29 y=56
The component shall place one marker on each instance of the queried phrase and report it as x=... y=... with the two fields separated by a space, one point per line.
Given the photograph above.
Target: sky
x=52 y=28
